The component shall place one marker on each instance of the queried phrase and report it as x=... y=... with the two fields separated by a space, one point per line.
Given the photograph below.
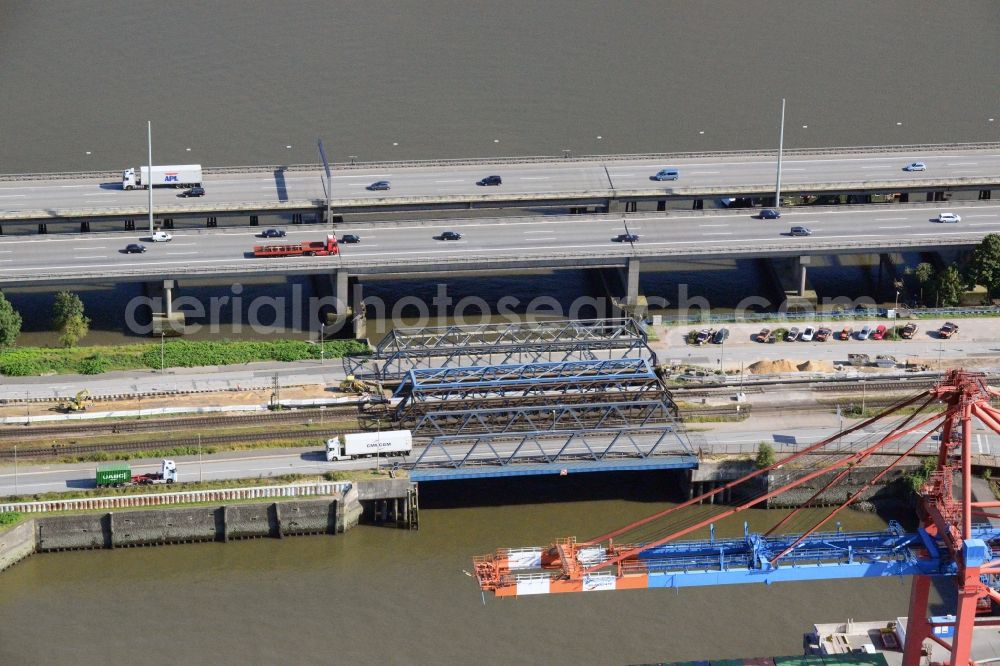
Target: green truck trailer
x=120 y=474
x=113 y=474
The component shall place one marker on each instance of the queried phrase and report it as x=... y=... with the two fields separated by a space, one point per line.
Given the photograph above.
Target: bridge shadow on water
x=647 y=486
x=280 y=187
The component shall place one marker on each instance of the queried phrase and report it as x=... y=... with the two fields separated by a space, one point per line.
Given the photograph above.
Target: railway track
x=152 y=445
x=109 y=427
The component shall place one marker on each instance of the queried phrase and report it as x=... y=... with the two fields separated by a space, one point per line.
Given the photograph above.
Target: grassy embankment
x=31 y=361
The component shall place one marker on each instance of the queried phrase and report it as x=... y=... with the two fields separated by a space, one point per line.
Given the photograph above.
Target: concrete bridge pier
x=661 y=206
x=632 y=282
x=935 y=196
x=985 y=195
x=803 y=274
x=341 y=281
x=698 y=204
x=614 y=206
x=168 y=321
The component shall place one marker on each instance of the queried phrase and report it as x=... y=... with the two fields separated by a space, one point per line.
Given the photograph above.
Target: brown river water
x=386 y=596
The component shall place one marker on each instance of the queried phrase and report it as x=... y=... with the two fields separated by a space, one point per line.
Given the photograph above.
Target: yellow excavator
x=367 y=389
x=76 y=404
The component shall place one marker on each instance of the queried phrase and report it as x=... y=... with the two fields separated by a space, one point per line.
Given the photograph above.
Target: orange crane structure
x=955 y=541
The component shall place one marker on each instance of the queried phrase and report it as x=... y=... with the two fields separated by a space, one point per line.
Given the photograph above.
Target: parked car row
x=822 y=334
x=711 y=335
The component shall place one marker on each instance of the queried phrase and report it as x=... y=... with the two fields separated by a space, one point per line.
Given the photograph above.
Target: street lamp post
x=322 y=343
x=149 y=180
x=378 y=441
x=781 y=147
x=163 y=342
x=895 y=305
x=15 y=469
x=201 y=471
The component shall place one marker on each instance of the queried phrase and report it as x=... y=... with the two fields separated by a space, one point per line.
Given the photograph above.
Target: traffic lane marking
x=503 y=249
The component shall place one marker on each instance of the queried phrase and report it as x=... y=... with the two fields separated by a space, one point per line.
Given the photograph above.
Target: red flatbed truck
x=303 y=249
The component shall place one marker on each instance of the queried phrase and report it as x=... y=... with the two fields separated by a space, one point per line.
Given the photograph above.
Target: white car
x=915 y=166
x=949 y=217
x=161 y=237
x=807 y=334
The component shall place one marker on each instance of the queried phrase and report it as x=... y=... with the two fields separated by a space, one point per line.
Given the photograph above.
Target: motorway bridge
x=497 y=245
x=606 y=183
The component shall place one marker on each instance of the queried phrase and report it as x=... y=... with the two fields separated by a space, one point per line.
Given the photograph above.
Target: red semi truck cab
x=303 y=249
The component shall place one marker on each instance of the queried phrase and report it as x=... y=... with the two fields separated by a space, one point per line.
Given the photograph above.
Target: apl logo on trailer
x=171 y=177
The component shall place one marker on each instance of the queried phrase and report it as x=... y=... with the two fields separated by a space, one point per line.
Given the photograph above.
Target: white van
x=666 y=173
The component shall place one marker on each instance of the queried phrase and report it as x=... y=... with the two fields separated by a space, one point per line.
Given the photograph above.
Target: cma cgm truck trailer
x=366 y=444
x=171 y=175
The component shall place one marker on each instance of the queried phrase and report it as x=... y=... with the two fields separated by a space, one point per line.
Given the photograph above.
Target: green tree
x=66 y=306
x=984 y=268
x=924 y=273
x=949 y=287
x=73 y=329
x=765 y=455
x=10 y=322
x=68 y=318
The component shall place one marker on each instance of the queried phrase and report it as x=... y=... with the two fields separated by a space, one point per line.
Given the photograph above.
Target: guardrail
x=528 y=197
x=189 y=497
x=865 y=313
x=605 y=257
x=536 y=159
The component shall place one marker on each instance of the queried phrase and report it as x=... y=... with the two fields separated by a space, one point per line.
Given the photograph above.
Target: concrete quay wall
x=17 y=543
x=155 y=527
x=889 y=486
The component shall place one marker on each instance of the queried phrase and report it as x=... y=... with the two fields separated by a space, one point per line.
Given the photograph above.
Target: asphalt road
x=253 y=464
x=533 y=239
x=564 y=177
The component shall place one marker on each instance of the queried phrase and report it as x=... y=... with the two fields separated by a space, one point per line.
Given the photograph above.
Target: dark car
x=193 y=192
x=450 y=235
x=379 y=185
x=135 y=248
x=491 y=180
x=720 y=336
x=273 y=233
x=350 y=238
x=626 y=238
x=769 y=214
x=799 y=231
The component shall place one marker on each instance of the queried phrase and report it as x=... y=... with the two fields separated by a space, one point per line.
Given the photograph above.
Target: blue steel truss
x=821 y=556
x=522 y=384
x=405 y=349
x=551 y=447
x=498 y=379
x=538 y=418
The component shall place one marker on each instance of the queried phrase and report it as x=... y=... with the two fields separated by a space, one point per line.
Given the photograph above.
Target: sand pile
x=816 y=366
x=772 y=367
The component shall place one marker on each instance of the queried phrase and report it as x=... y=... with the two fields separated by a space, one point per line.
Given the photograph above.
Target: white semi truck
x=171 y=175
x=368 y=444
